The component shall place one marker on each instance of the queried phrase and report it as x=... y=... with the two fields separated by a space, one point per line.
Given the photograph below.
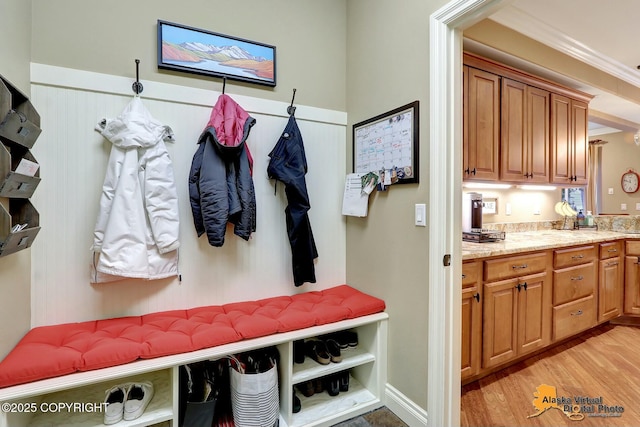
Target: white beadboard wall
x=73 y=159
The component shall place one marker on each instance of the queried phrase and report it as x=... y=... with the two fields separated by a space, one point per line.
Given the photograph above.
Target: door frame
x=445 y=203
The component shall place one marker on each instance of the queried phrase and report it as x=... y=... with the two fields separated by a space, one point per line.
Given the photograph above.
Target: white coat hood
x=136 y=233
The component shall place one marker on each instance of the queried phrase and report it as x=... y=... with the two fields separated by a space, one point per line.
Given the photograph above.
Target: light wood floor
x=603 y=363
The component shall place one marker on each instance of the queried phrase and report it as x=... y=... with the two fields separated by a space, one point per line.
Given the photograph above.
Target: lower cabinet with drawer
x=610 y=281
x=574 y=317
x=471 y=327
x=574 y=290
x=518 y=304
x=516 y=307
x=632 y=277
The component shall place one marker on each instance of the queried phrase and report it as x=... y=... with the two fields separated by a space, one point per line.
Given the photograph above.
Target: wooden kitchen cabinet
x=516 y=309
x=569 y=156
x=481 y=117
x=520 y=128
x=524 y=133
x=610 y=281
x=632 y=277
x=574 y=290
x=471 y=333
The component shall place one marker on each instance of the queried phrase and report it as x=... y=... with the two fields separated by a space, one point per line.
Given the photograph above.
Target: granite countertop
x=516 y=242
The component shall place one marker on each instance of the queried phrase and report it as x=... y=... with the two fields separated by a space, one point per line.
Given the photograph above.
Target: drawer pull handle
x=525 y=286
x=612 y=250
x=577 y=277
x=577 y=256
x=477 y=296
x=577 y=313
x=517 y=267
x=611 y=264
x=464 y=276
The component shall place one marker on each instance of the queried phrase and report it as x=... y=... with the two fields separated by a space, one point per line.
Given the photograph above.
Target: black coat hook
x=291 y=109
x=137 y=86
x=224 y=84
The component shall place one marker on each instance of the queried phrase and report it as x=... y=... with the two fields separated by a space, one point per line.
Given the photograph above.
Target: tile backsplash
x=621 y=223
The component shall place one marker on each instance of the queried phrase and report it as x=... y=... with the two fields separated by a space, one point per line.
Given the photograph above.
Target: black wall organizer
x=19 y=129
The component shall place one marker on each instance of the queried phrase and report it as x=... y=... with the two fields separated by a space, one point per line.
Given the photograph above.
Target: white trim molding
x=445 y=204
x=405 y=408
x=50 y=75
x=532 y=27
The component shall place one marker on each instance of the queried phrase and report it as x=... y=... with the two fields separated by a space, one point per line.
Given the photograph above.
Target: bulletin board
x=388 y=143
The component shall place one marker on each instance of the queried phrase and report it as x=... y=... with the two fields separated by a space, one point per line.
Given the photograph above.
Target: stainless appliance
x=472 y=221
x=472 y=212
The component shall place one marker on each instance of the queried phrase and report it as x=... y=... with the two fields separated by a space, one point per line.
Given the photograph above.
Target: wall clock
x=630 y=181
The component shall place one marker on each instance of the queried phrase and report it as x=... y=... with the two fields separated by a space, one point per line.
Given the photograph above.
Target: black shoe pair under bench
x=325 y=349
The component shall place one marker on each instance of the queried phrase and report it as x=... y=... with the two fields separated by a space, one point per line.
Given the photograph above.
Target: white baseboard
x=405 y=408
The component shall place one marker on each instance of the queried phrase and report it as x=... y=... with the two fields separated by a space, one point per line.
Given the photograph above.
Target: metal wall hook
x=291 y=109
x=137 y=86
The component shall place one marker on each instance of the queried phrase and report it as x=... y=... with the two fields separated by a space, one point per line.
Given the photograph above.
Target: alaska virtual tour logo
x=574 y=407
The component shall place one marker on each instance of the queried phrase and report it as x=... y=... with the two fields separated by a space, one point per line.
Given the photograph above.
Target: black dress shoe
x=344 y=380
x=333 y=384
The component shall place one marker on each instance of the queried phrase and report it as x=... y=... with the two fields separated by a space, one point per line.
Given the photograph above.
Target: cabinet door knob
x=577 y=313
x=518 y=286
x=467 y=171
x=477 y=296
x=525 y=286
x=464 y=276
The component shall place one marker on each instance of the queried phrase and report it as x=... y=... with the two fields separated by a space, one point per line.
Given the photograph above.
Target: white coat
x=136 y=233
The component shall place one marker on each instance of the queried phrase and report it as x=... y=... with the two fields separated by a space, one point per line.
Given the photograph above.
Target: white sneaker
x=138 y=397
x=114 y=403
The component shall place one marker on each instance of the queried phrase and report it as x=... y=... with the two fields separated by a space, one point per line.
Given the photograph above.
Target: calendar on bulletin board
x=388 y=144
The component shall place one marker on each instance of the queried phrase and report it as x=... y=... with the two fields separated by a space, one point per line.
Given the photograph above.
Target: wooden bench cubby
x=366 y=363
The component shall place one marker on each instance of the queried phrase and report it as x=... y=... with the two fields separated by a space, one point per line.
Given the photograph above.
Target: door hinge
x=446 y=260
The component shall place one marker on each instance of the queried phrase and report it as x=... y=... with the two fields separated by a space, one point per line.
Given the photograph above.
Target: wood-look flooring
x=604 y=362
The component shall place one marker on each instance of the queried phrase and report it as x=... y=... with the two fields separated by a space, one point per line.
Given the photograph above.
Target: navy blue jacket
x=288 y=164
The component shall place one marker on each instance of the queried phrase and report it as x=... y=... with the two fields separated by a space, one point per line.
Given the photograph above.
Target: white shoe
x=114 y=403
x=138 y=397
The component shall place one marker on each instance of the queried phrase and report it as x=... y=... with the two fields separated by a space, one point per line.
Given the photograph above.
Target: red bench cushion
x=50 y=351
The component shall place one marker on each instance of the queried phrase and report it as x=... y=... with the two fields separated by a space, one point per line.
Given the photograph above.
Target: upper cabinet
x=481 y=139
x=519 y=128
x=569 y=160
x=525 y=133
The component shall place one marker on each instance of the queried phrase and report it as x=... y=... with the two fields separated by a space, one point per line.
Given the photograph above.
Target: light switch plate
x=610 y=191
x=623 y=206
x=421 y=215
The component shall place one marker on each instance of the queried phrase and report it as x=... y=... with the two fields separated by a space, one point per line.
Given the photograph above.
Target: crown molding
x=533 y=28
